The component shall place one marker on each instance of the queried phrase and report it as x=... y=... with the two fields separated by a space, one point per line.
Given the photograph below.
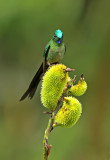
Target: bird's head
x=58 y=36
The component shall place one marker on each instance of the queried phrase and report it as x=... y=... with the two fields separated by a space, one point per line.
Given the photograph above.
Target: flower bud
x=79 y=89
x=69 y=114
x=53 y=84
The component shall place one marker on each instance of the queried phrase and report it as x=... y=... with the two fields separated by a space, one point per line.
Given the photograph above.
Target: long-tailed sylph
x=53 y=53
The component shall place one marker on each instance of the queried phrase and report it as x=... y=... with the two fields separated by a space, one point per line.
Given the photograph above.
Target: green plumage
x=56 y=52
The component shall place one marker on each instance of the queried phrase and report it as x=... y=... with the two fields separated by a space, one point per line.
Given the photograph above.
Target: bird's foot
x=49 y=64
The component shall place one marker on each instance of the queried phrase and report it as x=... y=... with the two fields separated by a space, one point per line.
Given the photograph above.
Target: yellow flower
x=53 y=84
x=69 y=113
x=79 y=89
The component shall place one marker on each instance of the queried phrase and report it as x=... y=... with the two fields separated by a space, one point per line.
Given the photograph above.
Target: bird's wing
x=47 y=47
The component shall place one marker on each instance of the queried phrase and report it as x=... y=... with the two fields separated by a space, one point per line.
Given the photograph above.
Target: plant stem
x=46 y=146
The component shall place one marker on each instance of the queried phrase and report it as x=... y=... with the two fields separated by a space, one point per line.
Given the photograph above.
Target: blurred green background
x=25 y=28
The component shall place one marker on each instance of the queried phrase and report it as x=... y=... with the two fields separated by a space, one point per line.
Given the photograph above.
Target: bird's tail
x=33 y=85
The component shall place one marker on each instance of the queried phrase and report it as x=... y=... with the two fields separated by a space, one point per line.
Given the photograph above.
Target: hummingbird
x=53 y=53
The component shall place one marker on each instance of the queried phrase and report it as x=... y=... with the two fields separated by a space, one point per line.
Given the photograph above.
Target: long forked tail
x=33 y=85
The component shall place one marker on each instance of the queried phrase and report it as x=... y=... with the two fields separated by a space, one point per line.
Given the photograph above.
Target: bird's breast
x=55 y=54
